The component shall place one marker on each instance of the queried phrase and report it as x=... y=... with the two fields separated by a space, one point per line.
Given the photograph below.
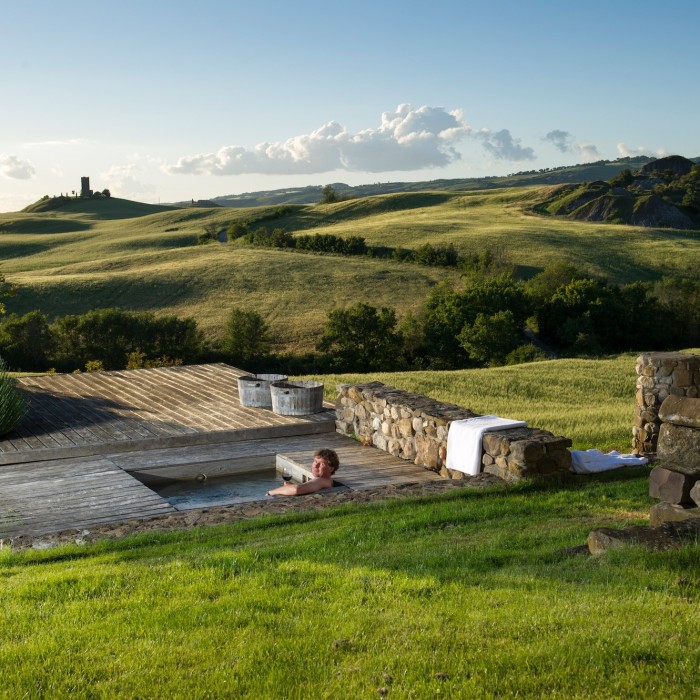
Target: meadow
x=589 y=401
x=102 y=253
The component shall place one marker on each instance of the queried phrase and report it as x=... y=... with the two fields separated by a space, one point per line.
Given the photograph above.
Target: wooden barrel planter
x=296 y=398
x=254 y=389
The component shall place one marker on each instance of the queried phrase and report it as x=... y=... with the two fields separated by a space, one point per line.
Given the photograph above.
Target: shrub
x=27 y=341
x=13 y=404
x=110 y=335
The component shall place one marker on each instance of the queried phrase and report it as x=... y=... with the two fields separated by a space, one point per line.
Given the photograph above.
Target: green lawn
x=466 y=594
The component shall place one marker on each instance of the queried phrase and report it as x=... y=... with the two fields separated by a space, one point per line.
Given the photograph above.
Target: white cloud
x=588 y=151
x=406 y=139
x=124 y=181
x=627 y=152
x=563 y=141
x=16 y=169
x=502 y=146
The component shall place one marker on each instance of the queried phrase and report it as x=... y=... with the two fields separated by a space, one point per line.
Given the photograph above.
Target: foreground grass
x=466 y=594
x=589 y=401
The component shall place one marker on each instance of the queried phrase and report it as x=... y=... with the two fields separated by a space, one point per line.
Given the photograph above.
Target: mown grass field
x=113 y=253
x=465 y=594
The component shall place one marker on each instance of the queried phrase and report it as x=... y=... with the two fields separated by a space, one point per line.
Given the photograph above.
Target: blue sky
x=167 y=101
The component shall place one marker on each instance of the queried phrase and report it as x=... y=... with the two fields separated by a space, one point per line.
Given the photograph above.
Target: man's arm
x=311 y=486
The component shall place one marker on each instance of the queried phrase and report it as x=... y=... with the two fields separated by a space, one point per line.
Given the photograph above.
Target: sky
x=166 y=101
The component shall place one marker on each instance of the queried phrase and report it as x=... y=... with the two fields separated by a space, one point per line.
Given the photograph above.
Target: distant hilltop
x=663 y=193
x=47 y=203
x=312 y=194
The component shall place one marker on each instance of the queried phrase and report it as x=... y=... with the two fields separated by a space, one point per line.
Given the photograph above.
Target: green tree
x=111 y=335
x=555 y=275
x=447 y=312
x=491 y=338
x=587 y=316
x=246 y=339
x=328 y=195
x=27 y=341
x=362 y=338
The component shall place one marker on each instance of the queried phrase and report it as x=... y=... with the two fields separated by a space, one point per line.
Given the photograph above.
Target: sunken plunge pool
x=221 y=483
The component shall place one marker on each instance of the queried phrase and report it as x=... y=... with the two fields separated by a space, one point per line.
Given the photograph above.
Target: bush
x=111 y=335
x=13 y=404
x=27 y=341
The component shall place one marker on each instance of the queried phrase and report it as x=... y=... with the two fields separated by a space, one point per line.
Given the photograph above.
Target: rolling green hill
x=600 y=170
x=111 y=252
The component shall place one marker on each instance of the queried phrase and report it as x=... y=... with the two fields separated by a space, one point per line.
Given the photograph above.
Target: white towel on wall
x=464 y=441
x=593 y=461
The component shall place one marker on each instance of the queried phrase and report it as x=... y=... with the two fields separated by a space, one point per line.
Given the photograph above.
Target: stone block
x=682 y=377
x=605 y=538
x=695 y=493
x=668 y=513
x=681 y=410
x=527 y=450
x=672 y=485
x=679 y=445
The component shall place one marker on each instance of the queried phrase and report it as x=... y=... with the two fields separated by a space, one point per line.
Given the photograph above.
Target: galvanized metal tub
x=296 y=398
x=254 y=389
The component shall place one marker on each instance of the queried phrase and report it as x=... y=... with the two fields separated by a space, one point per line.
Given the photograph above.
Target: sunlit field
x=74 y=260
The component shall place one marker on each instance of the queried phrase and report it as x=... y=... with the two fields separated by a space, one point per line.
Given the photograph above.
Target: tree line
x=483 y=321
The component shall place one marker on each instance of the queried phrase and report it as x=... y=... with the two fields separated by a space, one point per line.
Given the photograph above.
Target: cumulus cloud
x=406 y=139
x=502 y=145
x=588 y=151
x=625 y=151
x=124 y=181
x=16 y=169
x=563 y=141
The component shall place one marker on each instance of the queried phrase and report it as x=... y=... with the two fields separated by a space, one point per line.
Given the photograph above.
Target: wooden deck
x=72 y=462
x=75 y=415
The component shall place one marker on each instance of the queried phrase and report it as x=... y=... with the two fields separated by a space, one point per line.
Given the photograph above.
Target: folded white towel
x=593 y=461
x=464 y=441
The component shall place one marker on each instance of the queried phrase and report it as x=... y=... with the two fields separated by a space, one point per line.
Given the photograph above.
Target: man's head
x=330 y=457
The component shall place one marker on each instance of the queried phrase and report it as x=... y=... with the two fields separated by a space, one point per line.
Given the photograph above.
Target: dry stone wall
x=660 y=375
x=414 y=427
x=676 y=478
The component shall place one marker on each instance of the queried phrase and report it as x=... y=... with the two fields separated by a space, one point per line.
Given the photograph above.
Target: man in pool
x=325 y=464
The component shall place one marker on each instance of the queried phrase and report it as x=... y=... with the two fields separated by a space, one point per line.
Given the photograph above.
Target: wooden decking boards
x=72 y=462
x=103 y=412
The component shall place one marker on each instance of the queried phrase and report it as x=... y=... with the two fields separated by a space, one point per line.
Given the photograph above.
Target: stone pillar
x=659 y=375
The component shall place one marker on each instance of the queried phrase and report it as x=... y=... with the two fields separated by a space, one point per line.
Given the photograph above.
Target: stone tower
x=85 y=190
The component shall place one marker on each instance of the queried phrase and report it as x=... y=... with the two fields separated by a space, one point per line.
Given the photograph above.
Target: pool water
x=220 y=491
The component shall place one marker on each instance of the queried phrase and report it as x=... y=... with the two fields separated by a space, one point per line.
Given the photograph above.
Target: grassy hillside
x=600 y=170
x=70 y=261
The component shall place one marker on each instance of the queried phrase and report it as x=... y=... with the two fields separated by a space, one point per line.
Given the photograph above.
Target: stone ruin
x=666 y=429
